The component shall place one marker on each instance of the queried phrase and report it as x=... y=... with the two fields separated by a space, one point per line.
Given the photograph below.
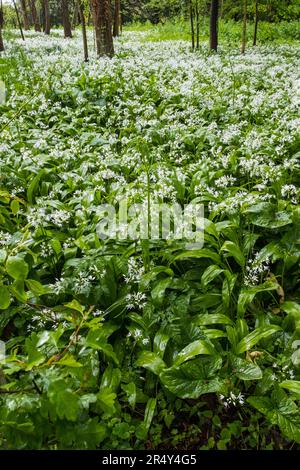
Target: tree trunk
x=256 y=24
x=35 y=16
x=197 y=25
x=192 y=24
x=76 y=16
x=244 y=37
x=66 y=19
x=214 y=13
x=25 y=15
x=83 y=27
x=1 y=26
x=47 y=26
x=117 y=13
x=103 y=27
x=18 y=20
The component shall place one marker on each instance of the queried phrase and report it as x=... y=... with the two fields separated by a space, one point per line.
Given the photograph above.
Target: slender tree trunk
x=76 y=15
x=47 y=26
x=35 y=16
x=117 y=13
x=214 y=13
x=222 y=9
x=66 y=19
x=192 y=24
x=197 y=25
x=25 y=15
x=83 y=27
x=103 y=27
x=244 y=36
x=1 y=27
x=256 y=23
x=18 y=20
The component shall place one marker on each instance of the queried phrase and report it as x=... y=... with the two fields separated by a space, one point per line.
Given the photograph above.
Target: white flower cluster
x=256 y=270
x=232 y=400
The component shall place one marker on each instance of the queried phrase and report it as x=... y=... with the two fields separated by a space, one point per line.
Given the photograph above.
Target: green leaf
x=17 y=268
x=36 y=287
x=204 y=253
x=15 y=206
x=158 y=292
x=291 y=385
x=75 y=305
x=266 y=214
x=245 y=370
x=160 y=342
x=194 y=378
x=17 y=289
x=106 y=401
x=4 y=298
x=65 y=401
x=255 y=336
x=130 y=390
x=199 y=346
x=210 y=274
x=234 y=250
x=151 y=361
x=212 y=319
x=247 y=294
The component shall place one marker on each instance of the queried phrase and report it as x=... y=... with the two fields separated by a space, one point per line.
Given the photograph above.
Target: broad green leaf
x=106 y=401
x=4 y=298
x=130 y=390
x=291 y=385
x=255 y=336
x=212 y=319
x=194 y=378
x=197 y=254
x=17 y=268
x=234 y=250
x=160 y=342
x=247 y=294
x=210 y=274
x=199 y=346
x=151 y=361
x=36 y=287
x=245 y=370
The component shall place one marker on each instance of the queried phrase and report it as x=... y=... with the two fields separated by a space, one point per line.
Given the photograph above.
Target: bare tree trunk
x=103 y=27
x=192 y=24
x=66 y=19
x=47 y=26
x=1 y=26
x=25 y=15
x=197 y=25
x=244 y=36
x=76 y=15
x=117 y=13
x=18 y=20
x=83 y=27
x=256 y=23
x=214 y=13
x=35 y=16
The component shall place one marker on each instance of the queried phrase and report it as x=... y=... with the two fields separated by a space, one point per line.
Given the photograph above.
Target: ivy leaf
x=245 y=370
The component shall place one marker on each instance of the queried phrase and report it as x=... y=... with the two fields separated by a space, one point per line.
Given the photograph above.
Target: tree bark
x=256 y=24
x=192 y=24
x=35 y=16
x=47 y=26
x=244 y=36
x=214 y=13
x=197 y=25
x=1 y=27
x=66 y=19
x=83 y=27
x=25 y=15
x=103 y=27
x=117 y=14
x=18 y=20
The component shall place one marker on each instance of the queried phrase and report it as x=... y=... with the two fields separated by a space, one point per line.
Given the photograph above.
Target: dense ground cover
x=120 y=344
